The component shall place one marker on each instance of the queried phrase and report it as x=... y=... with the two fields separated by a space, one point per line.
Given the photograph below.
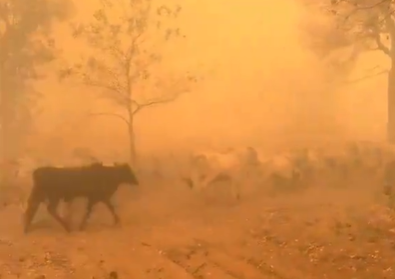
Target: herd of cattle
x=295 y=169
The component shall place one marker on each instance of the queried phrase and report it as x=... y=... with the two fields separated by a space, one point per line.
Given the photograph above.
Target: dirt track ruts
x=164 y=235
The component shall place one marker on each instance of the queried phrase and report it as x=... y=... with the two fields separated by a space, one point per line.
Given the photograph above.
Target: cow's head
x=126 y=174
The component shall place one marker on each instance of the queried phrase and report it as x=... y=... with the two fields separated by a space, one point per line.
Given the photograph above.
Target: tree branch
x=151 y=103
x=133 y=47
x=374 y=5
x=122 y=98
x=389 y=21
x=361 y=8
x=108 y=87
x=367 y=77
x=379 y=43
x=113 y=114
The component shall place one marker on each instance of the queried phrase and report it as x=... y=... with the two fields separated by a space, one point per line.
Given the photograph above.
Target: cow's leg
x=30 y=212
x=67 y=211
x=88 y=213
x=233 y=181
x=36 y=197
x=203 y=185
x=51 y=207
x=111 y=207
x=235 y=188
x=208 y=181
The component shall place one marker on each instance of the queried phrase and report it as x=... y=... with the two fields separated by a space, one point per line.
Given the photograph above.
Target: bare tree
x=363 y=25
x=125 y=49
x=25 y=44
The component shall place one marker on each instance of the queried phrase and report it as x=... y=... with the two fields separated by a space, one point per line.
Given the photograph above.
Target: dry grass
x=167 y=232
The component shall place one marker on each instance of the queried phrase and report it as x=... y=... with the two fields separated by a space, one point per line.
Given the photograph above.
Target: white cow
x=209 y=167
x=281 y=171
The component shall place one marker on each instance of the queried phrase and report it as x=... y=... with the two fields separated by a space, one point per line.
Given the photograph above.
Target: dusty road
x=171 y=234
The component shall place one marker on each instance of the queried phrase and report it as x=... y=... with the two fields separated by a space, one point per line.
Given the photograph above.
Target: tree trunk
x=391 y=104
x=2 y=144
x=132 y=142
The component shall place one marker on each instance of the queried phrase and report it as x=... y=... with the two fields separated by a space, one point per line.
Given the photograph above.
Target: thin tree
x=363 y=26
x=25 y=45
x=126 y=38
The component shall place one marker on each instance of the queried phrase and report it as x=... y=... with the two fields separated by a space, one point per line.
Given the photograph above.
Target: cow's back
x=66 y=182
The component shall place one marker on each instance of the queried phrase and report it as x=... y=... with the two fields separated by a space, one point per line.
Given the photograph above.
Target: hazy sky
x=260 y=86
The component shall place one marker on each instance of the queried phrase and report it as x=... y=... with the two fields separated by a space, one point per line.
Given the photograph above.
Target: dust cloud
x=260 y=86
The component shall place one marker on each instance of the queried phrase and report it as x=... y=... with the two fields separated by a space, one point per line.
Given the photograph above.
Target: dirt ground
x=169 y=232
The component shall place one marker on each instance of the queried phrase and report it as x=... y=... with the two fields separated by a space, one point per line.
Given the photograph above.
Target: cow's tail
x=37 y=195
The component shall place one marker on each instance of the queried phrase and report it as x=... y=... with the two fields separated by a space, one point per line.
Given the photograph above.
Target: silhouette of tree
x=25 y=45
x=126 y=39
x=359 y=26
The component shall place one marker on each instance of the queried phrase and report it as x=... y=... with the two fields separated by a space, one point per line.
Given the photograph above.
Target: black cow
x=95 y=182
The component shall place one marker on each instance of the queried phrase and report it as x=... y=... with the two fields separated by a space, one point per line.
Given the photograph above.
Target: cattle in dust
x=234 y=170
x=237 y=167
x=281 y=171
x=367 y=160
x=295 y=169
x=96 y=182
x=343 y=164
x=207 y=168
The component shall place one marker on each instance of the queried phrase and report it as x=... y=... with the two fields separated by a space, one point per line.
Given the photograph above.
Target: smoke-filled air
x=256 y=137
